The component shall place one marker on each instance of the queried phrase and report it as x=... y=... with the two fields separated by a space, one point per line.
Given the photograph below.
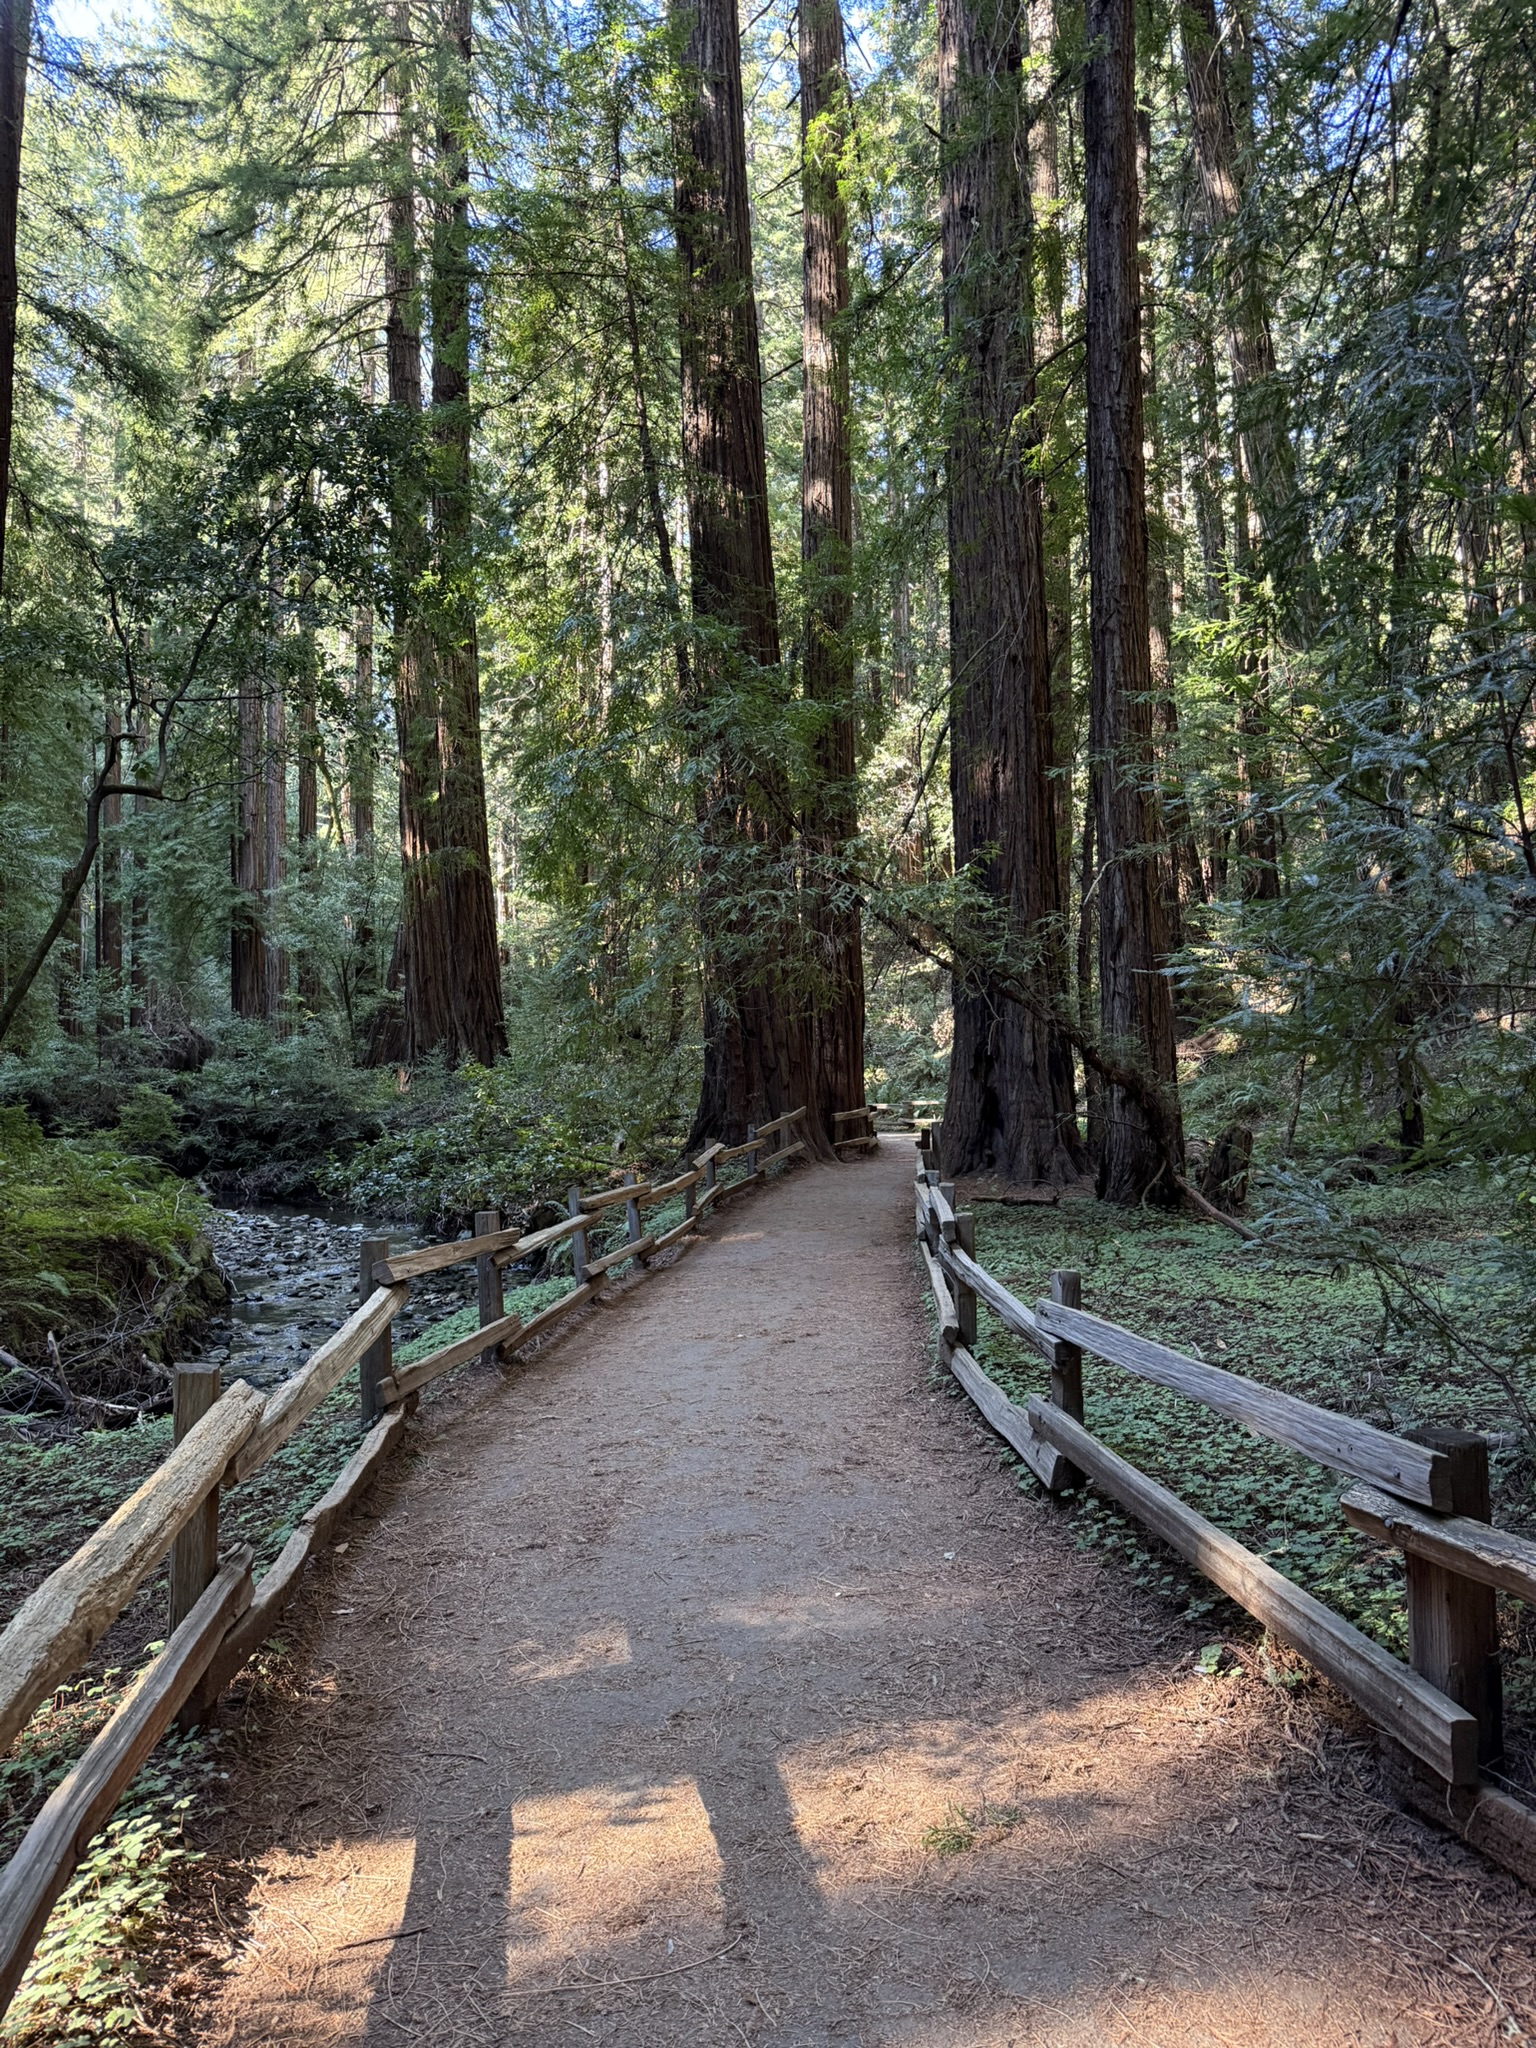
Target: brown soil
x=645 y=1709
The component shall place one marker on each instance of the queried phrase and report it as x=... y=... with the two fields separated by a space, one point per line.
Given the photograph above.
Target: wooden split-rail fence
x=219 y=1615
x=1441 y=1714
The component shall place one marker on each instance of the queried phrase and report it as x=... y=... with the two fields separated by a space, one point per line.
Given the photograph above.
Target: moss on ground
x=101 y=1248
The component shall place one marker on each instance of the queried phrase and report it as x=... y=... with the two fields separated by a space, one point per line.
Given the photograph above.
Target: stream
x=294 y=1278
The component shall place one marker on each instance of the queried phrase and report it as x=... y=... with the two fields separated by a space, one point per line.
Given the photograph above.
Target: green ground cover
x=1289 y=1322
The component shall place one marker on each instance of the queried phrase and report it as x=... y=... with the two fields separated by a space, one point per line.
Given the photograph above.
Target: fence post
x=1453 y=1622
x=195 y=1553
x=488 y=1280
x=965 y=1297
x=377 y=1362
x=947 y=1190
x=632 y=1228
x=690 y=1197
x=751 y=1152
x=578 y=1237
x=1067 y=1359
x=709 y=1174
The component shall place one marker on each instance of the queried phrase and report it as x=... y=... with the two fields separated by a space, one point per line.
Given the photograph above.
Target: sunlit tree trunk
x=1009 y=1109
x=826 y=547
x=1135 y=1004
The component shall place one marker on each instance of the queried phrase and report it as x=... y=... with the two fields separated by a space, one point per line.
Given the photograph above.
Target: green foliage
x=84 y=1982
x=86 y=1226
x=1283 y=1316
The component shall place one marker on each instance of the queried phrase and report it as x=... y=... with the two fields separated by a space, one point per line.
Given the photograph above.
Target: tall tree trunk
x=362 y=761
x=1258 y=395
x=1159 y=582
x=1058 y=435
x=826 y=548
x=478 y=1028
x=1135 y=1002
x=15 y=49
x=248 y=859
x=1010 y=1108
x=757 y=1039
x=275 y=855
x=109 y=922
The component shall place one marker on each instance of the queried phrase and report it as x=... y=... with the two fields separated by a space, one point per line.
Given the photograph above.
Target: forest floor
x=709 y=1680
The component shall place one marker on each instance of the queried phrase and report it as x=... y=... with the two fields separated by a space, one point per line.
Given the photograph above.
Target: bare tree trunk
x=138 y=927
x=1010 y=1108
x=362 y=764
x=826 y=548
x=473 y=967
x=1259 y=397
x=15 y=49
x=247 y=956
x=1159 y=582
x=109 y=923
x=275 y=856
x=1050 y=326
x=757 y=1039
x=1135 y=1003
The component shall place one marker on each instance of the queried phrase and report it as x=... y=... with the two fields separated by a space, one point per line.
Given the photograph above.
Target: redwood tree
x=448 y=951
x=826 y=547
x=757 y=1032
x=1135 y=999
x=1010 y=1109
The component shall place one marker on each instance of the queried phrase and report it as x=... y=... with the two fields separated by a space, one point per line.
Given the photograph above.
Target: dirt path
x=632 y=1714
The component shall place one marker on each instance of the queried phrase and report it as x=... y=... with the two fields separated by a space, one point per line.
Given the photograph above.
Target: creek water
x=294 y=1280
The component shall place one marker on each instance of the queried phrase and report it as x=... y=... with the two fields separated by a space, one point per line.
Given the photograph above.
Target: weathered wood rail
x=1441 y=1713
x=219 y=1618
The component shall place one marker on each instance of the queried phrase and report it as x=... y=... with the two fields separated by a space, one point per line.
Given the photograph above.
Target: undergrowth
x=99 y=1246
x=1318 y=1334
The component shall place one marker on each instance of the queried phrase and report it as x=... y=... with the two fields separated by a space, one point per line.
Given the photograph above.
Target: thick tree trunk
x=1135 y=1003
x=15 y=49
x=757 y=1037
x=1010 y=1109
x=826 y=548
x=467 y=885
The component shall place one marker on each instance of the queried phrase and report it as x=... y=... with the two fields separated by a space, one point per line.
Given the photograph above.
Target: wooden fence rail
x=1426 y=1493
x=227 y=1618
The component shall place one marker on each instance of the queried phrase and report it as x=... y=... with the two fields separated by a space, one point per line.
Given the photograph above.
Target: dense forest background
x=576 y=577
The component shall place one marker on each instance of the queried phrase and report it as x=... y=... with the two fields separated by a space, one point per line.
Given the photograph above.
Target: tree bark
x=1009 y=1110
x=1135 y=1003
x=1259 y=397
x=478 y=1027
x=757 y=1038
x=361 y=766
x=247 y=954
x=1058 y=435
x=275 y=831
x=448 y=961
x=826 y=549
x=109 y=923
x=15 y=50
